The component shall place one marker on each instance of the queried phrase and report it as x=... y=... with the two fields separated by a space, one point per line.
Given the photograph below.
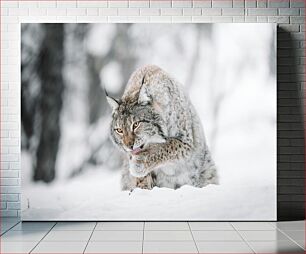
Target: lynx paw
x=137 y=169
x=146 y=182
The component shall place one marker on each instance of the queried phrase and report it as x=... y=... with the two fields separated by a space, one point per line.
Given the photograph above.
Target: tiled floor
x=152 y=237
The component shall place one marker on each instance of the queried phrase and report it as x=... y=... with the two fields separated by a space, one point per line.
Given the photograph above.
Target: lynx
x=160 y=134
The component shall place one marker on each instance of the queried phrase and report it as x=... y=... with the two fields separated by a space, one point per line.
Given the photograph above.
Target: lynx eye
x=135 y=125
x=119 y=131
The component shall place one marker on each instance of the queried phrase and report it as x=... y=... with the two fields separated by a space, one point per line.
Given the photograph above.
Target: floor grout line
x=90 y=237
x=143 y=232
x=10 y=228
x=290 y=238
x=273 y=225
x=42 y=238
x=247 y=243
x=193 y=237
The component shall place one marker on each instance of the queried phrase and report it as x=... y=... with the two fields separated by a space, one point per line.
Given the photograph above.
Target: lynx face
x=134 y=127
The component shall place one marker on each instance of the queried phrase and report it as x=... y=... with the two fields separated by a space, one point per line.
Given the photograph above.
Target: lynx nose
x=128 y=141
x=129 y=146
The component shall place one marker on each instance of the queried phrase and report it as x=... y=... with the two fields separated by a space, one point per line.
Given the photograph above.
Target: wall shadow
x=290 y=129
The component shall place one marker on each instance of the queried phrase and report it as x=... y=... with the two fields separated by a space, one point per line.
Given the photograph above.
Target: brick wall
x=289 y=14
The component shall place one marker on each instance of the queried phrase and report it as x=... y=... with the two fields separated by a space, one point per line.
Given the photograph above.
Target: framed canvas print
x=148 y=122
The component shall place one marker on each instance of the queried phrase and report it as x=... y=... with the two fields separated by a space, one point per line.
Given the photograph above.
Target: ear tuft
x=112 y=102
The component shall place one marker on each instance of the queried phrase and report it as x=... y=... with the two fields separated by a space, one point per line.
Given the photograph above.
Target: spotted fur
x=158 y=129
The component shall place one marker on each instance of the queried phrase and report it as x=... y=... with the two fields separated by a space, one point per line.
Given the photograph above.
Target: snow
x=247 y=191
x=103 y=200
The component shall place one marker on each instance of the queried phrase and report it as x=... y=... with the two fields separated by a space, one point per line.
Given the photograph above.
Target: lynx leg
x=147 y=182
x=209 y=176
x=129 y=182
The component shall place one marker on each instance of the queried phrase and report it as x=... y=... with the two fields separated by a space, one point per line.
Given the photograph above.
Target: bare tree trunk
x=96 y=97
x=28 y=106
x=30 y=83
x=50 y=105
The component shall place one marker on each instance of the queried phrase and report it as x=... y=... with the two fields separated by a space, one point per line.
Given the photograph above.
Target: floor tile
x=210 y=226
x=253 y=226
x=301 y=243
x=167 y=236
x=23 y=236
x=120 y=226
x=99 y=236
x=274 y=235
x=223 y=247
x=295 y=234
x=17 y=247
x=63 y=226
x=276 y=247
x=114 y=247
x=68 y=236
x=216 y=236
x=5 y=226
x=291 y=225
x=3 y=230
x=166 y=226
x=33 y=226
x=60 y=247
x=169 y=247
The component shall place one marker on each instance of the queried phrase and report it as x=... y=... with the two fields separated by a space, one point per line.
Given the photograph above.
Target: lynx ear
x=143 y=97
x=112 y=102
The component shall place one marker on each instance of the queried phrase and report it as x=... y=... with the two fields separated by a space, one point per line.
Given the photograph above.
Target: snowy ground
x=246 y=192
x=101 y=201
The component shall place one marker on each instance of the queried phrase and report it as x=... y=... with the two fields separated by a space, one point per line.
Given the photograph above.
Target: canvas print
x=148 y=122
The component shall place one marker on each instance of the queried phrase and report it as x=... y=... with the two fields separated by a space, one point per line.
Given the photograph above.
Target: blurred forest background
x=65 y=68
